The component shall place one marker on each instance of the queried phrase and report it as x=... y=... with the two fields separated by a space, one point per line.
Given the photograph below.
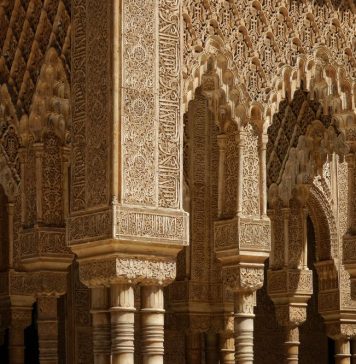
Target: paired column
x=47 y=329
x=122 y=325
x=101 y=325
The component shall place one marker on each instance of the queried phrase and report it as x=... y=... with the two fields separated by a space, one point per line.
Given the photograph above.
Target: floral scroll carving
x=121 y=269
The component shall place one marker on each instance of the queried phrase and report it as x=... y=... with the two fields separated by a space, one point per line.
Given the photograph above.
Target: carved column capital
x=121 y=269
x=338 y=331
x=241 y=278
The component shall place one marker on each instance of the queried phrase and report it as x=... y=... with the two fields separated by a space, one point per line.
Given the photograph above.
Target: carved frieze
x=32 y=283
x=43 y=242
x=286 y=281
x=89 y=227
x=124 y=269
x=242 y=234
x=150 y=225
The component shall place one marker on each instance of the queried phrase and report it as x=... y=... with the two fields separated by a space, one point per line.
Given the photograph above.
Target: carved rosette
x=243 y=278
x=127 y=270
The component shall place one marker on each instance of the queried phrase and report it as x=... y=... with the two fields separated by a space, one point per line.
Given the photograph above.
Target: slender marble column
x=342 y=351
x=244 y=316
x=227 y=349
x=122 y=324
x=292 y=345
x=47 y=329
x=152 y=313
x=101 y=325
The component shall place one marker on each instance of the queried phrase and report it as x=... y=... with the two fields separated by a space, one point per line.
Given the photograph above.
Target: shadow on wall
x=341 y=5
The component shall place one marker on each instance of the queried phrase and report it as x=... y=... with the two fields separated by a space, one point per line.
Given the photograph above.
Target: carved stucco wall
x=262 y=51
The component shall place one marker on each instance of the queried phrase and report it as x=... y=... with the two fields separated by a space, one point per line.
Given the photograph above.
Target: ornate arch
x=261 y=63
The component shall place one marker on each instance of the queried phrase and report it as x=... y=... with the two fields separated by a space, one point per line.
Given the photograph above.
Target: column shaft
x=244 y=316
x=342 y=351
x=292 y=345
x=16 y=344
x=101 y=325
x=47 y=329
x=122 y=324
x=227 y=349
x=152 y=314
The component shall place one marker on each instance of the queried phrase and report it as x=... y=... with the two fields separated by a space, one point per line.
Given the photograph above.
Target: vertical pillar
x=101 y=325
x=292 y=345
x=244 y=316
x=342 y=351
x=47 y=329
x=152 y=313
x=122 y=324
x=227 y=349
x=16 y=343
